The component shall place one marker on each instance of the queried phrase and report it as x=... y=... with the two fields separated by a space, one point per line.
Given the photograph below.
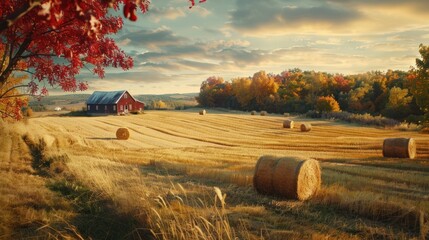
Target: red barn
x=115 y=102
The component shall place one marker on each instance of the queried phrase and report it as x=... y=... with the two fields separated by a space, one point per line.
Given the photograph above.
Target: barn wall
x=102 y=109
x=129 y=104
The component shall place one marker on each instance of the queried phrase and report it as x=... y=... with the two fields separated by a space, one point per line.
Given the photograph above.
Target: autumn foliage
x=327 y=104
x=376 y=93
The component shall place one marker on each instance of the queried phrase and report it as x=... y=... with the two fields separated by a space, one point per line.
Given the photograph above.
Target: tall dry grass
x=167 y=209
x=28 y=209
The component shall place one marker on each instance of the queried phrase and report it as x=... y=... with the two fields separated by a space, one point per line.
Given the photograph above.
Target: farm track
x=206 y=149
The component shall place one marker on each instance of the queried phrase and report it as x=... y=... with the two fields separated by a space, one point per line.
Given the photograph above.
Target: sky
x=176 y=48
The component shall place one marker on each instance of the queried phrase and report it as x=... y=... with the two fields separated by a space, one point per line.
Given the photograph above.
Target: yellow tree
x=398 y=97
x=13 y=94
x=262 y=87
x=327 y=104
x=241 y=90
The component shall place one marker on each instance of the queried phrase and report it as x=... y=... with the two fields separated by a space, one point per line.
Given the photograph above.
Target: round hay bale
x=122 y=133
x=48 y=140
x=203 y=112
x=253 y=113
x=286 y=114
x=305 y=127
x=290 y=177
x=288 y=124
x=399 y=148
x=263 y=177
x=264 y=113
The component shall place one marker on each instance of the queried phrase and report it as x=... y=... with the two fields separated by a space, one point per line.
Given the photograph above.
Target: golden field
x=182 y=175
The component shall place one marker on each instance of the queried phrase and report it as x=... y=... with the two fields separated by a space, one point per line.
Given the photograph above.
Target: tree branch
x=7 y=114
x=16 y=96
x=12 y=88
x=23 y=70
x=10 y=19
x=5 y=53
x=37 y=55
x=13 y=61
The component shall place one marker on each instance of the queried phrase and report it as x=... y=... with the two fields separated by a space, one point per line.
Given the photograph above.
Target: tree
x=241 y=90
x=11 y=100
x=419 y=79
x=262 y=87
x=208 y=90
x=57 y=38
x=327 y=104
x=398 y=97
x=398 y=105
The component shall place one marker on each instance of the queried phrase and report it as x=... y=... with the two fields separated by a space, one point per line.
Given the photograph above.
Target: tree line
x=401 y=95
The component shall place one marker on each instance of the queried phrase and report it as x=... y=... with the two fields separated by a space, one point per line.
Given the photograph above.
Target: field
x=186 y=176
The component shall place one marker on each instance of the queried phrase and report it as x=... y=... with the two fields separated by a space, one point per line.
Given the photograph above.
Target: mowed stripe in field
x=185 y=129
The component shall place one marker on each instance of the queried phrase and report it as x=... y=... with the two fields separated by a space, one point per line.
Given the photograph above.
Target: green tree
x=419 y=79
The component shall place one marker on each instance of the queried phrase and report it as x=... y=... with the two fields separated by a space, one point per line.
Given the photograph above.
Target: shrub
x=366 y=118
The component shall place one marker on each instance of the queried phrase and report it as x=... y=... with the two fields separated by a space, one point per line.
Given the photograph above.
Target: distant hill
x=77 y=101
x=167 y=97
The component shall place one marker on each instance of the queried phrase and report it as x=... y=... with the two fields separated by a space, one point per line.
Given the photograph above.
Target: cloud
x=201 y=11
x=171 y=13
x=414 y=4
x=272 y=17
x=227 y=43
x=152 y=39
x=275 y=17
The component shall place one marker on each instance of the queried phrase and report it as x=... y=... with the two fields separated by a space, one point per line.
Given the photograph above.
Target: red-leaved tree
x=55 y=39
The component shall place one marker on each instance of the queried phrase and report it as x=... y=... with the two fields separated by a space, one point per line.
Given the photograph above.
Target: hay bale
x=264 y=113
x=290 y=177
x=263 y=177
x=253 y=113
x=399 y=148
x=122 y=134
x=305 y=127
x=286 y=114
x=203 y=112
x=288 y=124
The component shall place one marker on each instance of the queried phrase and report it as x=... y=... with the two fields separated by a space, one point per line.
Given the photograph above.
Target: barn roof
x=101 y=97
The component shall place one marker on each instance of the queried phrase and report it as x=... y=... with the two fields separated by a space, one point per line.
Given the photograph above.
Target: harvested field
x=178 y=154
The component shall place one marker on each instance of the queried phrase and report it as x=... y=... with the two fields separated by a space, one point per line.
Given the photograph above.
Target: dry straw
x=291 y=177
x=399 y=148
x=203 y=112
x=288 y=124
x=122 y=134
x=264 y=113
x=305 y=127
x=253 y=113
x=48 y=140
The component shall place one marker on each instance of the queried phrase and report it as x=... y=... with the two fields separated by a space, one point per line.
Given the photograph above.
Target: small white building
x=57 y=108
